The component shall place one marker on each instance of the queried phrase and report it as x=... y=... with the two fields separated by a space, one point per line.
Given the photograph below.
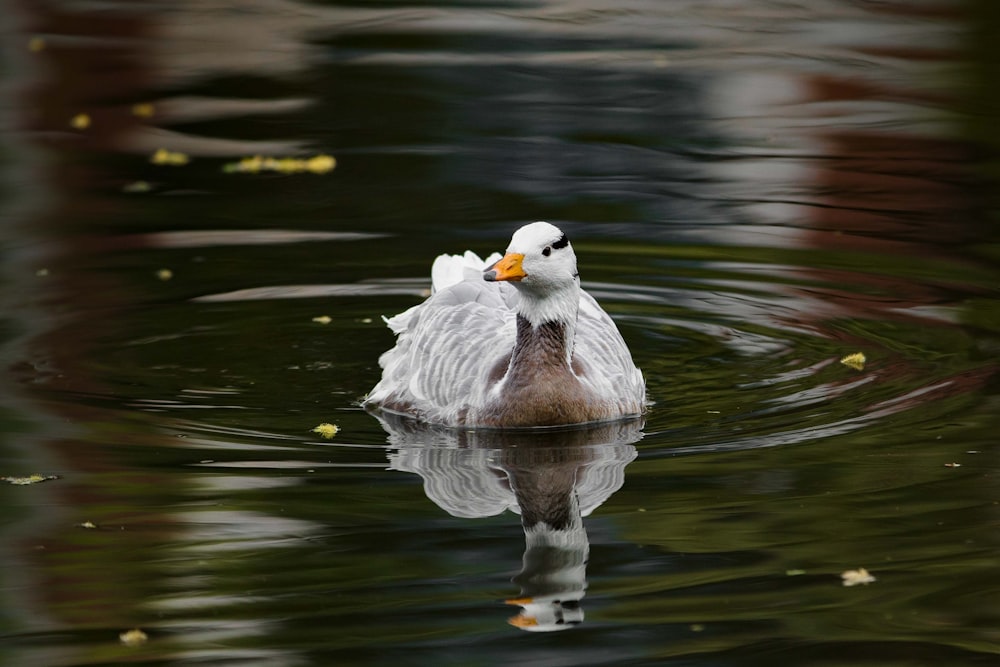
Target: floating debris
x=42 y=272
x=133 y=637
x=143 y=110
x=137 y=187
x=855 y=577
x=319 y=164
x=88 y=524
x=952 y=465
x=164 y=274
x=36 y=44
x=164 y=157
x=327 y=430
x=855 y=360
x=30 y=479
x=81 y=121
x=322 y=319
x=794 y=573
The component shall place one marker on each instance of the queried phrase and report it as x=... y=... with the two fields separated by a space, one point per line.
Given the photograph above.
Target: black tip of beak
x=490 y=273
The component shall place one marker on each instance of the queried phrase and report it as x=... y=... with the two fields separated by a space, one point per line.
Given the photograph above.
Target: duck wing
x=446 y=348
x=602 y=359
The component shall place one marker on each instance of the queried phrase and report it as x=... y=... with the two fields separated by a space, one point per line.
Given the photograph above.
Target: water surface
x=754 y=190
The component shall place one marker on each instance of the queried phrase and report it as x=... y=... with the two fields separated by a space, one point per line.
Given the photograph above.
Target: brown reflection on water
x=880 y=158
x=888 y=176
x=91 y=67
x=79 y=61
x=102 y=64
x=112 y=64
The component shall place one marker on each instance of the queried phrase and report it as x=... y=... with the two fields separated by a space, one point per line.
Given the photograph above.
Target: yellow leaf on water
x=855 y=577
x=137 y=187
x=81 y=121
x=30 y=479
x=250 y=165
x=856 y=361
x=164 y=274
x=322 y=319
x=327 y=430
x=142 y=110
x=318 y=164
x=36 y=44
x=321 y=164
x=133 y=637
x=164 y=157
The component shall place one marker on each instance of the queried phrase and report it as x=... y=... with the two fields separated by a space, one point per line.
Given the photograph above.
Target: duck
x=509 y=341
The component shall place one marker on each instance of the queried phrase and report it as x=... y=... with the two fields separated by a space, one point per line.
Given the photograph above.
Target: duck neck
x=545 y=330
x=547 y=344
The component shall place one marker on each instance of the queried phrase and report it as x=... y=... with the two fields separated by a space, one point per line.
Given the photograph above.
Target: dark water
x=754 y=189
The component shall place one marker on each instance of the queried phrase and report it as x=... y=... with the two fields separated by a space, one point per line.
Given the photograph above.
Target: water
x=755 y=190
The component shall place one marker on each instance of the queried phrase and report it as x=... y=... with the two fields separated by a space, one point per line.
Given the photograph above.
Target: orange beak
x=506 y=268
x=522 y=621
x=519 y=601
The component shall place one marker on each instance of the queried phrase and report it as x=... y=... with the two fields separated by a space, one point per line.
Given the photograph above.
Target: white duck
x=519 y=344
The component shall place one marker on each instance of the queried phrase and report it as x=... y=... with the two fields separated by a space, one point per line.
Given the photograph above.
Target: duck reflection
x=552 y=477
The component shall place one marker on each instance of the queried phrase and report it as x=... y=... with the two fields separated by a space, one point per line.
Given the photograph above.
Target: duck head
x=541 y=264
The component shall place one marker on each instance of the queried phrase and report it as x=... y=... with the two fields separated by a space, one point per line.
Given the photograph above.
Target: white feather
x=448 y=270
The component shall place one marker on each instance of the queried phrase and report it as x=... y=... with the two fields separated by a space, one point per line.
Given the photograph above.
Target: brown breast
x=538 y=386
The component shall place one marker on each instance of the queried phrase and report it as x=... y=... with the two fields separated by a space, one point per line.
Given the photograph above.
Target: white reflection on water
x=552 y=478
x=210 y=531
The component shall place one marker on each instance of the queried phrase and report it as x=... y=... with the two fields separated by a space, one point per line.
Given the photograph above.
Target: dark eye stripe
x=561 y=243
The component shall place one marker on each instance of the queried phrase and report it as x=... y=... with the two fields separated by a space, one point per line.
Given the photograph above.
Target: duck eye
x=547 y=251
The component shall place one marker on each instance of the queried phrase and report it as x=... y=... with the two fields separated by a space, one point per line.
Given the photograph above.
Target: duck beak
x=523 y=621
x=519 y=601
x=506 y=268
